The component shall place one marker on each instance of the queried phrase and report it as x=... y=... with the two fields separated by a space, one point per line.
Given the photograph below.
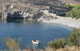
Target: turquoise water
x=27 y=31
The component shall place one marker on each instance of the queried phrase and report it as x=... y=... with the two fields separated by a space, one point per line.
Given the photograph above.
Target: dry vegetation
x=14 y=46
x=73 y=48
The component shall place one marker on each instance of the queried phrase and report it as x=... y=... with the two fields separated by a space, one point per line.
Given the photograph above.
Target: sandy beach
x=65 y=21
x=68 y=21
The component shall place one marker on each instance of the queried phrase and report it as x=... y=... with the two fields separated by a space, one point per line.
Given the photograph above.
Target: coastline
x=53 y=18
x=65 y=21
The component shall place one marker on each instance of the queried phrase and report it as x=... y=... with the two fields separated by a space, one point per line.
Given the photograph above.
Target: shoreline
x=65 y=21
x=53 y=18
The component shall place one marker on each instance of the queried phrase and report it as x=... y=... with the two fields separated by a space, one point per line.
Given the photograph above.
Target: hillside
x=72 y=2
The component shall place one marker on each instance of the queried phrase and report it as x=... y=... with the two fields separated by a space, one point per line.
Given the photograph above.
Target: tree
x=74 y=13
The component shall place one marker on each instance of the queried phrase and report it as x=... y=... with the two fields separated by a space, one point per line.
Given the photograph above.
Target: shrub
x=11 y=44
x=69 y=6
x=74 y=38
x=74 y=13
x=57 y=43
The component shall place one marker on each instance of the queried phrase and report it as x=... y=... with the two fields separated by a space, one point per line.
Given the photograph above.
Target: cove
x=27 y=31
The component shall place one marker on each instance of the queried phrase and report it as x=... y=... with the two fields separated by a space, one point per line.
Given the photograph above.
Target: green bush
x=69 y=6
x=57 y=43
x=74 y=13
x=74 y=38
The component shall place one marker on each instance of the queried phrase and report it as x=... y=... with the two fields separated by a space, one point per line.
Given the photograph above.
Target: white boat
x=35 y=42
